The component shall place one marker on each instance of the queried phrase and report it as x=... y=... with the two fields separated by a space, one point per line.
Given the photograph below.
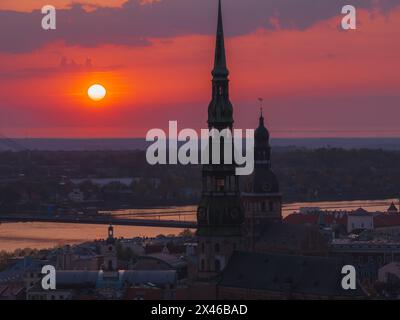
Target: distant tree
x=187 y=233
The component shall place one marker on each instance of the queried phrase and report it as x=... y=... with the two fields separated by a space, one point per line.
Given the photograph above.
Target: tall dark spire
x=220 y=69
x=220 y=111
x=261 y=121
x=220 y=213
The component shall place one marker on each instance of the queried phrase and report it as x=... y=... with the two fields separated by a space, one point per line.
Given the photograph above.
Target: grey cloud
x=133 y=24
x=65 y=66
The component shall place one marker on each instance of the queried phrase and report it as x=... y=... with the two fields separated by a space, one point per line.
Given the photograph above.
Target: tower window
x=217 y=248
x=202 y=247
x=202 y=264
x=271 y=206
x=263 y=207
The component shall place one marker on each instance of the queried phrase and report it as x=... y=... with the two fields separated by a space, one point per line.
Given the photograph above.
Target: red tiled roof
x=301 y=218
x=386 y=220
x=381 y=220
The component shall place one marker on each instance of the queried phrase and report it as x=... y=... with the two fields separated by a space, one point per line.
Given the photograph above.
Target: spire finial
x=261 y=100
x=220 y=69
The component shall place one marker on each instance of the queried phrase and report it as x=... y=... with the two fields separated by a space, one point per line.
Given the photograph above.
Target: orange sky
x=316 y=82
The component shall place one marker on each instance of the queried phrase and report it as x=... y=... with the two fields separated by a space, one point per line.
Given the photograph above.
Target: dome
x=261 y=134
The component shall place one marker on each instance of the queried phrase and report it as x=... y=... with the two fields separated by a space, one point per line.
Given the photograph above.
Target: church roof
x=286 y=273
x=360 y=212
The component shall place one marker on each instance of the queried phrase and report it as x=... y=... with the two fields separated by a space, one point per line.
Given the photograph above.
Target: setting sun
x=96 y=92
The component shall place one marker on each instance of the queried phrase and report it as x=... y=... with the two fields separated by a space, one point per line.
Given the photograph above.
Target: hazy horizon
x=121 y=144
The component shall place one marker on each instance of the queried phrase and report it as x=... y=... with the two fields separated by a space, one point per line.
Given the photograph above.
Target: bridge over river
x=79 y=219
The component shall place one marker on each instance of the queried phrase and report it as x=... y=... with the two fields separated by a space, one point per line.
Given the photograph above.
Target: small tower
x=262 y=198
x=392 y=209
x=109 y=251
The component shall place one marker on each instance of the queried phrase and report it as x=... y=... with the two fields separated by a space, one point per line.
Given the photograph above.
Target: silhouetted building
x=220 y=214
x=255 y=276
x=262 y=198
x=392 y=209
x=108 y=250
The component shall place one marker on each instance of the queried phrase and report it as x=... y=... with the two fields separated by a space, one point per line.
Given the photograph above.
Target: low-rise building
x=368 y=255
x=360 y=220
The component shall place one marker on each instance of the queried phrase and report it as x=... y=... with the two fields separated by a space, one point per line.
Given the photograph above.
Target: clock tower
x=262 y=199
x=220 y=214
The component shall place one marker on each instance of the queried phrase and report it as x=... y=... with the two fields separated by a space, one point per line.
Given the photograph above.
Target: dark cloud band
x=133 y=23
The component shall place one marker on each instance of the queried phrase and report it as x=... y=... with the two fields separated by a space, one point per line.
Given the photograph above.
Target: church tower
x=220 y=214
x=262 y=199
x=109 y=252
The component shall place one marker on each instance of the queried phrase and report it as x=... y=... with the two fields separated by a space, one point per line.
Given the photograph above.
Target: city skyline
x=291 y=223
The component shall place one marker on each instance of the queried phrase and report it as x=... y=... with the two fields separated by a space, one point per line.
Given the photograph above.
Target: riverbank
x=45 y=235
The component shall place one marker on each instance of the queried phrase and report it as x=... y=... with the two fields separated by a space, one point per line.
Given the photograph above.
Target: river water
x=46 y=235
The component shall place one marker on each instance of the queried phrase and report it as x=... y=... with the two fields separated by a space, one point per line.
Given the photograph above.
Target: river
x=46 y=235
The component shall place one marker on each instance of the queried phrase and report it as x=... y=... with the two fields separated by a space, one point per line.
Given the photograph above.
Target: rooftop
x=286 y=273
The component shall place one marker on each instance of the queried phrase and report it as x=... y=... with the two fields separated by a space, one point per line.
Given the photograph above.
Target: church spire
x=261 y=121
x=220 y=110
x=220 y=69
